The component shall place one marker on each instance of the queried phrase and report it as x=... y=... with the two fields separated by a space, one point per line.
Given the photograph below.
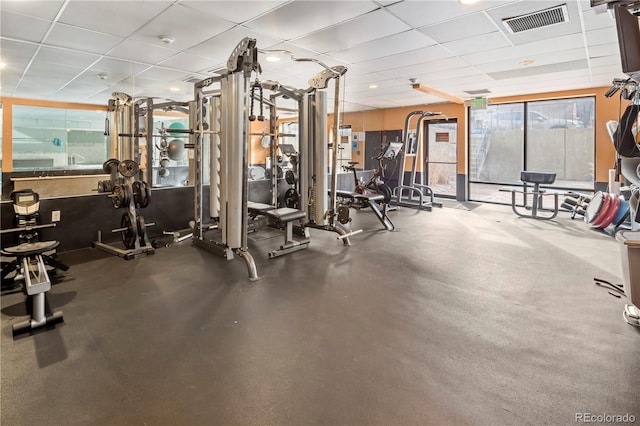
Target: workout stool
x=536 y=178
x=36 y=282
x=284 y=217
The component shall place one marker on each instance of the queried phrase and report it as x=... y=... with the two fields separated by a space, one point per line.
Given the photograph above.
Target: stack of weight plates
x=606 y=209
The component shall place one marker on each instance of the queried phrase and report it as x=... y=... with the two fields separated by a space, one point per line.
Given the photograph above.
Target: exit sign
x=479 y=103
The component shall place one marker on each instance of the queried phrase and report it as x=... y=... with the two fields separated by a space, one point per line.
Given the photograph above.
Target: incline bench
x=281 y=218
x=359 y=201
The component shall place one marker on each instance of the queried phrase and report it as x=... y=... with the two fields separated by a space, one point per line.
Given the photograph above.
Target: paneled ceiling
x=57 y=49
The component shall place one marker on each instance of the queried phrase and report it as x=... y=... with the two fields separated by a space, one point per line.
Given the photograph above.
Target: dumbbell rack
x=127 y=193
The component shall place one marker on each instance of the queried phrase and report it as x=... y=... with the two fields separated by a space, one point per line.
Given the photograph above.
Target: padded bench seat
x=359 y=196
x=285 y=214
x=537 y=177
x=259 y=208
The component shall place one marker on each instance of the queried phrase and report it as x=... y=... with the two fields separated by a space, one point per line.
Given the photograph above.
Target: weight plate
x=385 y=190
x=142 y=229
x=291 y=199
x=343 y=214
x=290 y=177
x=128 y=168
x=121 y=196
x=107 y=165
x=130 y=234
x=141 y=194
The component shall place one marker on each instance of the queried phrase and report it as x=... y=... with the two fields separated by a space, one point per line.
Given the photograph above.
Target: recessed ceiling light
x=174 y=89
x=527 y=62
x=103 y=76
x=273 y=59
x=373 y=86
x=166 y=39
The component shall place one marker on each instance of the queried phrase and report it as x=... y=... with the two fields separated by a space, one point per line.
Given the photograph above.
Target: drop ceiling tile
x=161 y=74
x=221 y=46
x=419 y=56
x=610 y=61
x=364 y=28
x=604 y=50
x=15 y=55
x=421 y=13
x=115 y=69
x=22 y=27
x=385 y=46
x=478 y=43
x=541 y=60
x=429 y=74
x=460 y=28
x=83 y=40
x=298 y=18
x=442 y=65
x=187 y=26
x=596 y=21
x=573 y=41
x=48 y=71
x=38 y=9
x=137 y=51
x=189 y=62
x=66 y=57
x=229 y=10
x=119 y=18
x=602 y=36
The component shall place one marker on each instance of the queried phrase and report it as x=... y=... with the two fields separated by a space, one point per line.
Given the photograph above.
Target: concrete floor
x=458 y=317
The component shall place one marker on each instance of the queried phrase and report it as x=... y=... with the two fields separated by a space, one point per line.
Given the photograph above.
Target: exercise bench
x=359 y=201
x=283 y=217
x=36 y=283
x=537 y=179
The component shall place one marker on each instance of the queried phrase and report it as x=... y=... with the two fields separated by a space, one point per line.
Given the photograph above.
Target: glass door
x=441 y=147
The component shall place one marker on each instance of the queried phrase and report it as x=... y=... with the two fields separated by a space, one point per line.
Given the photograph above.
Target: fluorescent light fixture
x=273 y=59
x=174 y=89
x=373 y=86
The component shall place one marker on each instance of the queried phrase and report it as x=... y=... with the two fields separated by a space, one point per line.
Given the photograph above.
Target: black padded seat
x=538 y=177
x=357 y=195
x=28 y=249
x=259 y=208
x=286 y=214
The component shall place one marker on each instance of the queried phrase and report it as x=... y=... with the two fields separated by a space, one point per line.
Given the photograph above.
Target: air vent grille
x=478 y=92
x=539 y=19
x=192 y=80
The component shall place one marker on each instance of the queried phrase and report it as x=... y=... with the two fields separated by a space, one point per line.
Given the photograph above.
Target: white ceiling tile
x=298 y=18
x=419 y=56
x=573 y=41
x=22 y=27
x=115 y=69
x=65 y=57
x=540 y=60
x=229 y=10
x=478 y=43
x=596 y=21
x=611 y=61
x=120 y=18
x=137 y=51
x=364 y=28
x=48 y=72
x=15 y=55
x=161 y=74
x=187 y=26
x=602 y=36
x=221 y=46
x=83 y=40
x=421 y=13
x=607 y=49
x=38 y=9
x=441 y=65
x=385 y=46
x=189 y=62
x=460 y=28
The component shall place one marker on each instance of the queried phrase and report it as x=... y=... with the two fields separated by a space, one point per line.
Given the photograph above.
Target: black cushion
x=259 y=208
x=286 y=214
x=537 y=177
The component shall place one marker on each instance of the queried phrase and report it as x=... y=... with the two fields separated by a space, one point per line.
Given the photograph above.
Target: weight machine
x=411 y=148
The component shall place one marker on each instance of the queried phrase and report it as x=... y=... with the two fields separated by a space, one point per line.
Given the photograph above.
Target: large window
x=57 y=138
x=549 y=136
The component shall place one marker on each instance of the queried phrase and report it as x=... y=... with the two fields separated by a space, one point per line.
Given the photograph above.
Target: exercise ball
x=164 y=162
x=176 y=150
x=177 y=125
x=164 y=172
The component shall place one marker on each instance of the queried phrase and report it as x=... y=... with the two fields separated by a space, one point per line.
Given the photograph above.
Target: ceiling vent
x=477 y=92
x=539 y=19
